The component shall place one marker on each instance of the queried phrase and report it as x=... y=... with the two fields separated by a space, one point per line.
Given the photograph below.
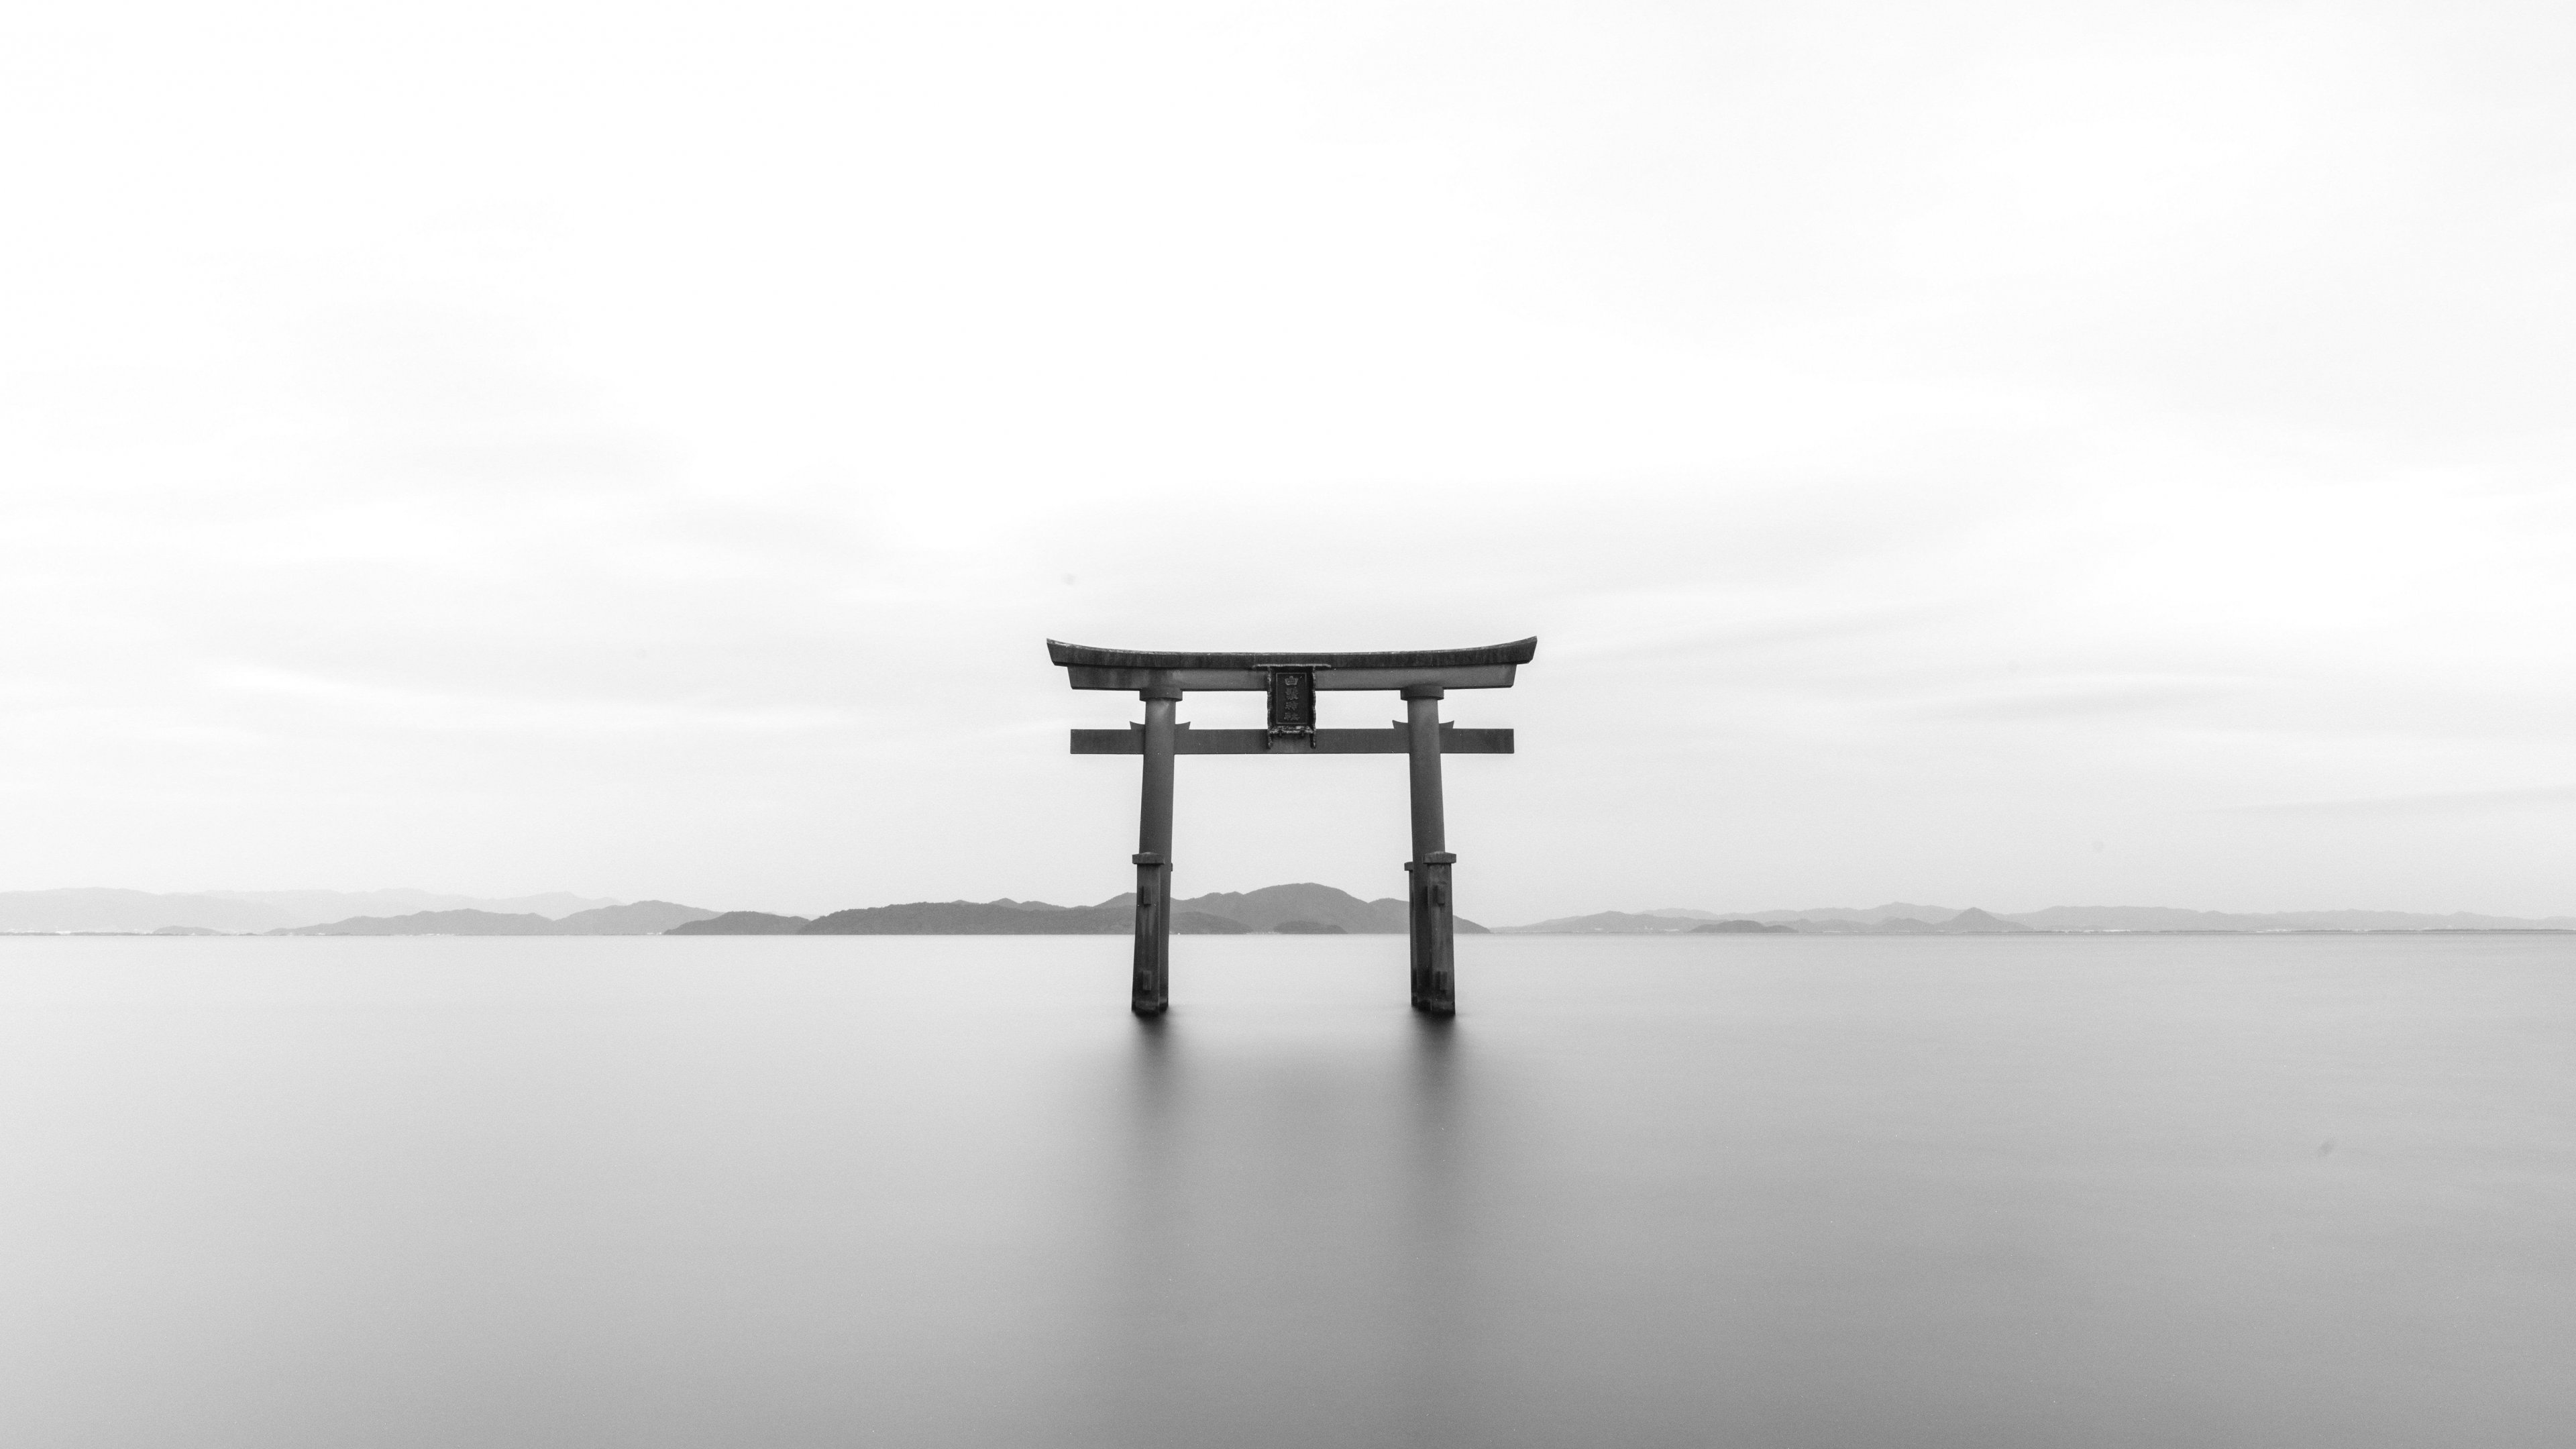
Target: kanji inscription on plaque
x=1292 y=701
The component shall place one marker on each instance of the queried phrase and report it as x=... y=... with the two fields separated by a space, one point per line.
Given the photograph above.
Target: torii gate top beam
x=1489 y=667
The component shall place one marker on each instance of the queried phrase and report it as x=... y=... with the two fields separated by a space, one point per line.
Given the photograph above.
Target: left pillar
x=1432 y=923
x=1150 y=992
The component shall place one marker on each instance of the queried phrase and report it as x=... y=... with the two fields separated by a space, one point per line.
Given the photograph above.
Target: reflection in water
x=826 y=1191
x=1288 y=1228
x=1439 y=1229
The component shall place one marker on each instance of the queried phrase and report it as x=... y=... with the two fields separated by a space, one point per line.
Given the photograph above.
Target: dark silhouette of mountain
x=1271 y=907
x=963 y=918
x=643 y=918
x=1293 y=909
x=637 y=918
x=1741 y=928
x=1265 y=909
x=430 y=923
x=740 y=923
x=1307 y=928
x=1222 y=913
x=1977 y=922
x=1007 y=918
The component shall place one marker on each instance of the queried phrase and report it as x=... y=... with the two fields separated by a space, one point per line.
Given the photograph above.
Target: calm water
x=919 y=1191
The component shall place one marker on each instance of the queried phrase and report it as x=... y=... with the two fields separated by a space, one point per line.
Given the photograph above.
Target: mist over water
x=945 y=1191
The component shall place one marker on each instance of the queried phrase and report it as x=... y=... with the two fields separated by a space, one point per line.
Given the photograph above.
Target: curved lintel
x=1519 y=651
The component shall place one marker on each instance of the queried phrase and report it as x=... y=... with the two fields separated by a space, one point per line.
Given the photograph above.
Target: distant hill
x=740 y=923
x=1321 y=908
x=637 y=918
x=431 y=923
x=1984 y=922
x=642 y=918
x=1270 y=907
x=1007 y=918
x=962 y=918
x=1740 y=928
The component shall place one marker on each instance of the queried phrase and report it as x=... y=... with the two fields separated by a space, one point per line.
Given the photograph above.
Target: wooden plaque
x=1292 y=701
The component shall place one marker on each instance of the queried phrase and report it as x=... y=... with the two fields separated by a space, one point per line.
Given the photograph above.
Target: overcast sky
x=2005 y=455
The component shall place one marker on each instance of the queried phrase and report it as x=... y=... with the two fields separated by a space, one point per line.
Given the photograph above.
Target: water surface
x=2258 y=1191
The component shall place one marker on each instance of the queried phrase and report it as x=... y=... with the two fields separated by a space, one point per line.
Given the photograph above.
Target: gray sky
x=1979 y=454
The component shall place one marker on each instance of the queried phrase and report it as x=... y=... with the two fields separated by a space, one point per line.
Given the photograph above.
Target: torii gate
x=1292 y=681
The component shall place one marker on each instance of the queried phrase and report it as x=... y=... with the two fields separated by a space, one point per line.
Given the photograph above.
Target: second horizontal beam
x=1392 y=741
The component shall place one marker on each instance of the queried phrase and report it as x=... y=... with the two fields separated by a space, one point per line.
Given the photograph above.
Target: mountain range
x=637 y=918
x=1303 y=908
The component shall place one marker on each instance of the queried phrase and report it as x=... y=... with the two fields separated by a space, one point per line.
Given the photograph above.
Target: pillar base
x=1433 y=923
x=1149 y=990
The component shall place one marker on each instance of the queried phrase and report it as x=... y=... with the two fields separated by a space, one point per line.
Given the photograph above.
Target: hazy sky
x=1980 y=454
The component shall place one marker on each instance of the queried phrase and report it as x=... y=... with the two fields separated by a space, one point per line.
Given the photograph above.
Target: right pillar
x=1149 y=991
x=1432 y=920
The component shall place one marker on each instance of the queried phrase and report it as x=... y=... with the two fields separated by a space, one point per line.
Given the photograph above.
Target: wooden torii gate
x=1292 y=681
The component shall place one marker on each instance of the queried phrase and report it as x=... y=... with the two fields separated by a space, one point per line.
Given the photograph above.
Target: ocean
x=1736 y=1190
